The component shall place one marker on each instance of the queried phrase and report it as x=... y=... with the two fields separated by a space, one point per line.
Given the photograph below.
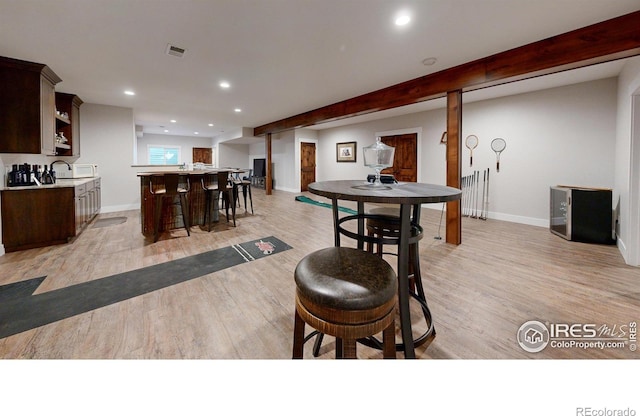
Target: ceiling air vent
x=175 y=51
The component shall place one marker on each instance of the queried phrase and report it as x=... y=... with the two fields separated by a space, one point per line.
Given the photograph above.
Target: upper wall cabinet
x=67 y=124
x=27 y=107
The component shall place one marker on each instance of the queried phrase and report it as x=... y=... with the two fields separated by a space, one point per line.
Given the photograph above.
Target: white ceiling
x=282 y=57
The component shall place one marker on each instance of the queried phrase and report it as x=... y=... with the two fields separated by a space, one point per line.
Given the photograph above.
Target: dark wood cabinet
x=27 y=107
x=37 y=218
x=69 y=126
x=42 y=217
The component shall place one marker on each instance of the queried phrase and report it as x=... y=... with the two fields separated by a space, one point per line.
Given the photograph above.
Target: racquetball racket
x=498 y=145
x=471 y=143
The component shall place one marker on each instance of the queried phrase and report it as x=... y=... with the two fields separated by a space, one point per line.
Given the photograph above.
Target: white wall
x=257 y=151
x=107 y=134
x=233 y=155
x=557 y=136
x=283 y=162
x=627 y=162
x=186 y=144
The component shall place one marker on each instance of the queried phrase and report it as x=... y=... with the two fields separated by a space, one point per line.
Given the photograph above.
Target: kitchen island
x=172 y=215
x=39 y=216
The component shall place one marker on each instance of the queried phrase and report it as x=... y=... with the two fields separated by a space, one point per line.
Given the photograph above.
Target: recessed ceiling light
x=166 y=131
x=429 y=61
x=403 y=20
x=238 y=110
x=210 y=124
x=224 y=84
x=129 y=92
x=173 y=121
x=195 y=132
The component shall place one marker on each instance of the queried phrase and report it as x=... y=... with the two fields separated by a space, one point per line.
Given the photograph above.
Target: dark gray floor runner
x=21 y=311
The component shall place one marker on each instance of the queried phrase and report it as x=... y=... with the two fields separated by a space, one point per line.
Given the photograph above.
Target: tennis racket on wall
x=498 y=145
x=471 y=143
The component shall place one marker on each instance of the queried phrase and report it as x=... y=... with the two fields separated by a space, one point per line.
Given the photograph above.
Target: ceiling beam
x=610 y=40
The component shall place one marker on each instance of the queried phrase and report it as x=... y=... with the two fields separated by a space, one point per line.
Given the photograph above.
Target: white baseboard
x=622 y=247
x=287 y=190
x=538 y=222
x=117 y=208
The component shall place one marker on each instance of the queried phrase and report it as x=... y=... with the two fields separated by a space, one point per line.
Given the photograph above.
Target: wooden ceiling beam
x=610 y=40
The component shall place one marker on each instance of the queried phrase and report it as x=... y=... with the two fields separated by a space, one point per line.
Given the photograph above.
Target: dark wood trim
x=454 y=165
x=602 y=42
x=269 y=179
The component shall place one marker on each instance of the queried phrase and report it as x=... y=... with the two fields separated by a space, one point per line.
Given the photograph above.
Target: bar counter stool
x=216 y=185
x=245 y=184
x=347 y=293
x=385 y=226
x=168 y=186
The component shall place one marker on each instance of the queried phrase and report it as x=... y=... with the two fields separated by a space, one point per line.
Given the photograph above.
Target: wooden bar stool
x=347 y=293
x=216 y=185
x=168 y=186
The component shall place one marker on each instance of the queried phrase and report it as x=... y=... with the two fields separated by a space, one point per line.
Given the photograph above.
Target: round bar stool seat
x=347 y=293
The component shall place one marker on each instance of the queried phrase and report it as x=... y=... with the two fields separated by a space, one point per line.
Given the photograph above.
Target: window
x=163 y=155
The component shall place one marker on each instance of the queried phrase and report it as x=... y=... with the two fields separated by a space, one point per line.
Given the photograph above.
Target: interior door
x=202 y=155
x=307 y=165
x=405 y=160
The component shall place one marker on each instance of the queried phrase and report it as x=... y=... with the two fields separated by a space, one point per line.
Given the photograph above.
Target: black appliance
x=582 y=214
x=260 y=167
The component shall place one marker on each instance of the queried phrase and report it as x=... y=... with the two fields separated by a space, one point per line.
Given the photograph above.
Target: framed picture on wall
x=346 y=152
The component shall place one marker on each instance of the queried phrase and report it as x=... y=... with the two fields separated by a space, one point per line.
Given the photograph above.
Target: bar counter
x=172 y=216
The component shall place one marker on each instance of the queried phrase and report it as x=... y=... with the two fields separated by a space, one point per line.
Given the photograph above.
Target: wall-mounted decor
x=498 y=145
x=346 y=152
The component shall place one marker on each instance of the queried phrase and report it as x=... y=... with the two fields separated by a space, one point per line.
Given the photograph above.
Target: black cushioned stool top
x=345 y=278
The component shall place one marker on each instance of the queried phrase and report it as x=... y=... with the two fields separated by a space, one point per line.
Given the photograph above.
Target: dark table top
x=400 y=193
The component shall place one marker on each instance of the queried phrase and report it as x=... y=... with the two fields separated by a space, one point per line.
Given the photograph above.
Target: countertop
x=193 y=172
x=60 y=183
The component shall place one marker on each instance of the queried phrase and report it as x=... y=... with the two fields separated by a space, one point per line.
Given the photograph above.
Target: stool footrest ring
x=428 y=335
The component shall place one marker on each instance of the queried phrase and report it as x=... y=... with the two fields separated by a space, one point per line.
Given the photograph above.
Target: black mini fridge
x=582 y=214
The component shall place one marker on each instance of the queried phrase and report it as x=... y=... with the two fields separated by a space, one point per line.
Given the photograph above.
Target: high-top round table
x=406 y=194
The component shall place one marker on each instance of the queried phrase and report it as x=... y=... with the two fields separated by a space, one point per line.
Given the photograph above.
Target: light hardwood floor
x=480 y=292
